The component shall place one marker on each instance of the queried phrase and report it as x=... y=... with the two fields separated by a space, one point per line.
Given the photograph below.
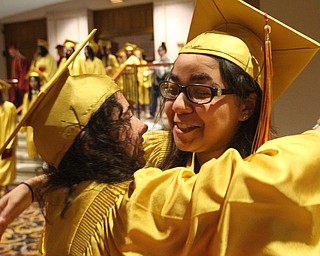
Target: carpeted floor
x=22 y=237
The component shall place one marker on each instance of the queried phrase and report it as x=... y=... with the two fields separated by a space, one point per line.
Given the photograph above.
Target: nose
x=142 y=126
x=181 y=104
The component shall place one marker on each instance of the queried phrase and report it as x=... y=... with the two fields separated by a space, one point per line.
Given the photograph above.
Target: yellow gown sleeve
x=155 y=147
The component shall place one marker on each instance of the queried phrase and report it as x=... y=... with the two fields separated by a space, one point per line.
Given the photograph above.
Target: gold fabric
x=47 y=65
x=92 y=204
x=70 y=43
x=26 y=104
x=111 y=64
x=94 y=66
x=76 y=67
x=144 y=83
x=267 y=204
x=63 y=117
x=8 y=121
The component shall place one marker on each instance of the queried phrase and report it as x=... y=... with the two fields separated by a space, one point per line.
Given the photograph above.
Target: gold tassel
x=264 y=126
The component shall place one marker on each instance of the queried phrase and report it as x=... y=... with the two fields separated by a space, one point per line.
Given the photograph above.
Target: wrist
x=30 y=189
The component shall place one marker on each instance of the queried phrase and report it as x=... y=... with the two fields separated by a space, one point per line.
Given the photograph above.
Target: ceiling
x=14 y=7
x=16 y=10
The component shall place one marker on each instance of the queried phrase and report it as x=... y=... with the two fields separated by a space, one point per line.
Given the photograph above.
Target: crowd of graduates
x=27 y=78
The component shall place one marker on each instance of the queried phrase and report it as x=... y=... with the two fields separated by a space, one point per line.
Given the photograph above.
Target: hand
x=12 y=204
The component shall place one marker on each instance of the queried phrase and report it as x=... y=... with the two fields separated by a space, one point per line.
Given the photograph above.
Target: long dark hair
x=43 y=51
x=243 y=85
x=96 y=154
x=30 y=88
x=91 y=54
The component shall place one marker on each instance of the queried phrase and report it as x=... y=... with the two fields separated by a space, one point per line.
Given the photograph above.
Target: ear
x=247 y=107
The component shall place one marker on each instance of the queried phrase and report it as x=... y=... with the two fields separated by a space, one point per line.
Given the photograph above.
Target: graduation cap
x=271 y=52
x=44 y=43
x=70 y=43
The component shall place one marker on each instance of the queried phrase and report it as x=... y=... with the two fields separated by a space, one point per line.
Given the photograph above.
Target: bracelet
x=30 y=188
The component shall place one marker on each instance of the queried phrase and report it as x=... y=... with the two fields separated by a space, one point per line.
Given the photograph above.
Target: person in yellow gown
x=130 y=75
x=36 y=80
x=8 y=120
x=220 y=199
x=92 y=64
x=144 y=81
x=109 y=60
x=44 y=61
x=77 y=66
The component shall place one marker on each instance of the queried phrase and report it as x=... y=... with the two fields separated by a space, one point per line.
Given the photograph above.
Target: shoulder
x=155 y=146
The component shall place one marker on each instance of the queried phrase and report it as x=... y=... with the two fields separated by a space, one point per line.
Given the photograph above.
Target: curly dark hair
x=241 y=84
x=96 y=154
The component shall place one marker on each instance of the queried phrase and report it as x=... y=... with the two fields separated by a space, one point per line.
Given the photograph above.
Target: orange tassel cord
x=263 y=132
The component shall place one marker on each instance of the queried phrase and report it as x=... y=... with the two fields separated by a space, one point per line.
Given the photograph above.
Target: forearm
x=17 y=200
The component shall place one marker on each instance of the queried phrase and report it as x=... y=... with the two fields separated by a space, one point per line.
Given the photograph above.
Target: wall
x=171 y=21
x=73 y=25
x=299 y=108
x=3 y=68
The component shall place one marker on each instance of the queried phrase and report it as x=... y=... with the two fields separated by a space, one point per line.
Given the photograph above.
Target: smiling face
x=204 y=129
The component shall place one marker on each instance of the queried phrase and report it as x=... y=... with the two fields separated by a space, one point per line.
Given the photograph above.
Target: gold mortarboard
x=44 y=43
x=69 y=43
x=104 y=42
x=4 y=85
x=240 y=33
x=129 y=46
x=39 y=116
x=34 y=72
x=139 y=50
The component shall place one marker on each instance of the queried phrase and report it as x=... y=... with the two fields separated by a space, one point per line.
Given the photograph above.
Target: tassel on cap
x=264 y=126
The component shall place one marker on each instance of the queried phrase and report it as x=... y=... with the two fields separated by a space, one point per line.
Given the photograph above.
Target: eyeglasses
x=196 y=93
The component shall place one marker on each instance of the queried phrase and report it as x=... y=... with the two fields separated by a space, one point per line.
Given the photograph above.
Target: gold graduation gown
x=31 y=148
x=76 y=67
x=145 y=82
x=266 y=204
x=8 y=121
x=94 y=66
x=47 y=65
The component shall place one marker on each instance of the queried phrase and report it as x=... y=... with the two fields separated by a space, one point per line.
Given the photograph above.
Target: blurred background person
x=92 y=64
x=77 y=66
x=8 y=121
x=109 y=60
x=144 y=82
x=159 y=75
x=36 y=80
x=19 y=69
x=43 y=60
x=60 y=52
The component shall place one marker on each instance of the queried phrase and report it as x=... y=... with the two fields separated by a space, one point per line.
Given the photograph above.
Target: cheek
x=169 y=112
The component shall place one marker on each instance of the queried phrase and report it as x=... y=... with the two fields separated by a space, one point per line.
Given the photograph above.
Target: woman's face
x=204 y=129
x=33 y=82
x=138 y=128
